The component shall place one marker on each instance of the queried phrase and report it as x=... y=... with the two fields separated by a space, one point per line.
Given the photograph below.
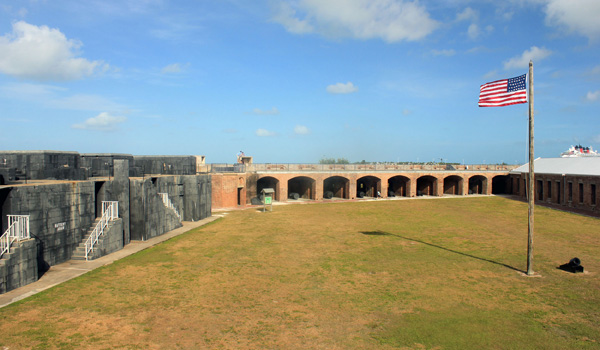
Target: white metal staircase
x=18 y=229
x=167 y=201
x=110 y=211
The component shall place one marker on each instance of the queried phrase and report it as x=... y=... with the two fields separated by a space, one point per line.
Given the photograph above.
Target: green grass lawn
x=413 y=274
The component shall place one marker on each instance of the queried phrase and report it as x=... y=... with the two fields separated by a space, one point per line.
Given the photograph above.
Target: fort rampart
x=62 y=212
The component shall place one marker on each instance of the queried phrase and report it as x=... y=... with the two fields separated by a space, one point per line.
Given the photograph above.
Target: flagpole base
x=532 y=274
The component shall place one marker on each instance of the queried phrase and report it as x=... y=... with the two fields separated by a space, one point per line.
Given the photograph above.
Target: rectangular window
x=540 y=190
x=549 y=189
x=517 y=186
x=570 y=193
x=593 y=190
x=558 y=192
x=580 y=193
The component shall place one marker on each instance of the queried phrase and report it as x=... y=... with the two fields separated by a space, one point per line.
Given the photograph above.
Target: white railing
x=110 y=211
x=167 y=201
x=18 y=229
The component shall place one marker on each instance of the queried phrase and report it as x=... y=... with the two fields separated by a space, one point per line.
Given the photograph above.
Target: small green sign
x=267 y=200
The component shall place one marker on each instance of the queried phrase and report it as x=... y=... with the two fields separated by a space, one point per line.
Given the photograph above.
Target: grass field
x=414 y=274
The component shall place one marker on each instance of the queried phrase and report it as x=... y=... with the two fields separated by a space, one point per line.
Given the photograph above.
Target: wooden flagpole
x=531 y=177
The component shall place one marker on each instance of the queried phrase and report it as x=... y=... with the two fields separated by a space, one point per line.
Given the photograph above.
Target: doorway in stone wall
x=4 y=192
x=99 y=197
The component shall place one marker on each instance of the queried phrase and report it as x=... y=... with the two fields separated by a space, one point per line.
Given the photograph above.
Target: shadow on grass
x=381 y=233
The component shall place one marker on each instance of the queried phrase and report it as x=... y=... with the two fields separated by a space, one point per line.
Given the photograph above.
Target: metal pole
x=531 y=178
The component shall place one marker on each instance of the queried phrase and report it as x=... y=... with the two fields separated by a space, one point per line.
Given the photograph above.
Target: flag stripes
x=503 y=92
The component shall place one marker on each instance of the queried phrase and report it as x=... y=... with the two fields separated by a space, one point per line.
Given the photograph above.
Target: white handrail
x=167 y=201
x=110 y=211
x=18 y=229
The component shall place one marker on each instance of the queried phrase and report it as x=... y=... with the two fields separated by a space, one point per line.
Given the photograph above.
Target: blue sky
x=295 y=81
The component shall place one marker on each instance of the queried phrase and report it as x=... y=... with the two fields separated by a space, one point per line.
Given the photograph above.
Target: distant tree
x=327 y=161
x=333 y=161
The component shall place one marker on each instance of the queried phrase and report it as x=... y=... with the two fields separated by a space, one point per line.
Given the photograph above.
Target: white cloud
x=490 y=74
x=83 y=102
x=272 y=111
x=473 y=31
x=264 y=133
x=286 y=16
x=534 y=54
x=581 y=16
x=301 y=130
x=44 y=54
x=341 y=88
x=174 y=68
x=593 y=96
x=101 y=122
x=390 y=20
x=468 y=14
x=57 y=97
x=449 y=52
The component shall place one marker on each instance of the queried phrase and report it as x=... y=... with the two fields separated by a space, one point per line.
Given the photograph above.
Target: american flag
x=503 y=92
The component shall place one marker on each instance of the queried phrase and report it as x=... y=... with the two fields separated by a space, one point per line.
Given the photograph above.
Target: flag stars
x=517 y=83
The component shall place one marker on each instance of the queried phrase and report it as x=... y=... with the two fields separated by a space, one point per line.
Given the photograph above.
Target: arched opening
x=477 y=184
x=398 y=186
x=368 y=186
x=501 y=184
x=268 y=182
x=426 y=186
x=453 y=185
x=336 y=187
x=301 y=187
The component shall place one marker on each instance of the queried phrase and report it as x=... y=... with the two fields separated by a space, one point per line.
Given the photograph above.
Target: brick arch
x=305 y=186
x=427 y=185
x=269 y=182
x=368 y=185
x=339 y=186
x=453 y=184
x=501 y=184
x=399 y=185
x=478 y=184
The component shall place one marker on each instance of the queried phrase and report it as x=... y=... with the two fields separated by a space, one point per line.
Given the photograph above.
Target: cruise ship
x=579 y=151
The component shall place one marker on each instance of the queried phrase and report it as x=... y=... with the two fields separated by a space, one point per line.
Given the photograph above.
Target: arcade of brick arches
x=239 y=189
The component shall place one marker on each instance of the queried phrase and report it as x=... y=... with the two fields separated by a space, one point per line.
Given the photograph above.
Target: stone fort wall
x=61 y=212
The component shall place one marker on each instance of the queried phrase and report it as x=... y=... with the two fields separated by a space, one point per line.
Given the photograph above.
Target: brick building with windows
x=566 y=183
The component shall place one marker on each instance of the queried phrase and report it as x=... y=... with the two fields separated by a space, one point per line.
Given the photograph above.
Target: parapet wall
x=44 y=164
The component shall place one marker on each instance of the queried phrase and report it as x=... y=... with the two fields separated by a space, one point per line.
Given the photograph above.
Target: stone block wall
x=111 y=241
x=166 y=165
x=44 y=164
x=149 y=217
x=102 y=164
x=20 y=266
x=59 y=216
x=196 y=202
